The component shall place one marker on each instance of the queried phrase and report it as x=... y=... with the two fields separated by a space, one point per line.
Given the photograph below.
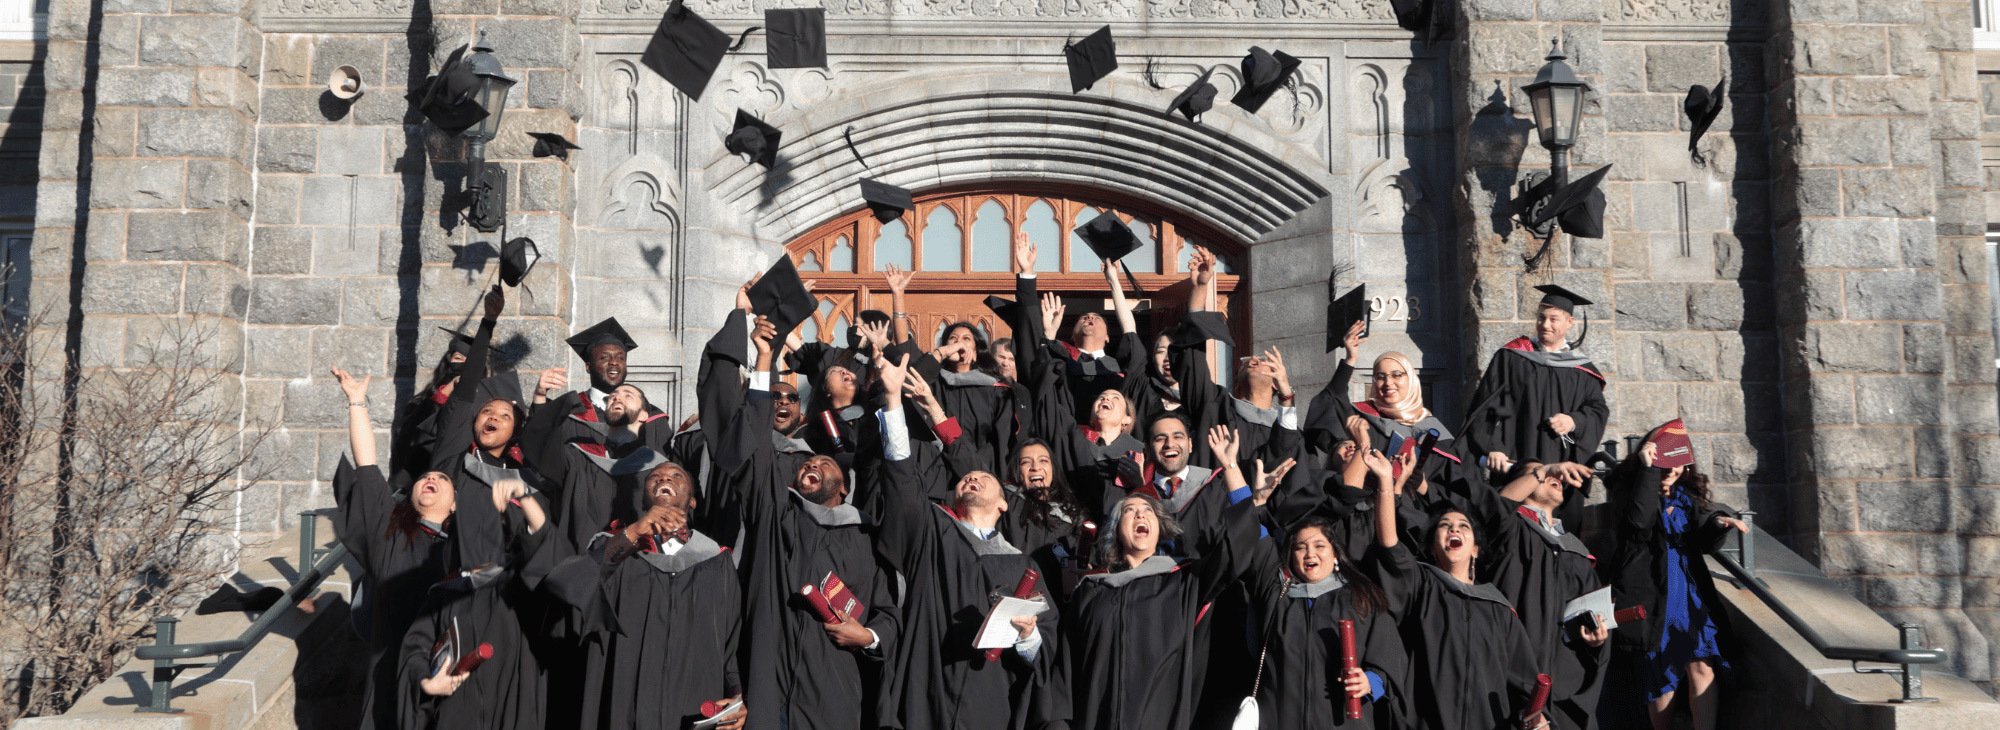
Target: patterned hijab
x=1410 y=408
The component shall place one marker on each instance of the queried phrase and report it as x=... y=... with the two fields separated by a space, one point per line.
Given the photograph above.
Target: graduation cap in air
x=1111 y=240
x=1703 y=105
x=452 y=100
x=1577 y=207
x=550 y=144
x=1091 y=59
x=1197 y=98
x=1004 y=308
x=888 y=201
x=1210 y=325
x=780 y=296
x=1556 y=296
x=517 y=258
x=460 y=343
x=755 y=140
x=795 y=37
x=607 y=332
x=1264 y=72
x=1342 y=313
x=685 y=50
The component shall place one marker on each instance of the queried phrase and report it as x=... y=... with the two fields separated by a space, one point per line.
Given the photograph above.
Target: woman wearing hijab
x=1395 y=405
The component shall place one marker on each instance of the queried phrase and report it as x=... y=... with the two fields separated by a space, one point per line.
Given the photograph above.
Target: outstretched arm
x=360 y=432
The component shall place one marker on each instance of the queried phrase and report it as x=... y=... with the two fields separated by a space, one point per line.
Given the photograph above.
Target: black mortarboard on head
x=888 y=201
x=606 y=332
x=1703 y=105
x=1091 y=59
x=460 y=343
x=501 y=385
x=685 y=50
x=753 y=139
x=795 y=37
x=1264 y=72
x=550 y=144
x=452 y=100
x=1342 y=313
x=1211 y=325
x=1197 y=98
x=1578 y=207
x=1560 y=298
x=781 y=297
x=517 y=258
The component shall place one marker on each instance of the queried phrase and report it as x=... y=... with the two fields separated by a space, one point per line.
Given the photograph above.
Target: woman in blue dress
x=1665 y=522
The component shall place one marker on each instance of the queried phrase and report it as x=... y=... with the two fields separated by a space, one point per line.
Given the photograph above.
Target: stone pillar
x=1880 y=271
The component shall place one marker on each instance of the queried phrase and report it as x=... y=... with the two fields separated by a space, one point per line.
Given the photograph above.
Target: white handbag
x=1247 y=715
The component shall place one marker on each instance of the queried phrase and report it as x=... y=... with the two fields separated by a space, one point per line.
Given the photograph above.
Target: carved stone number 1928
x=1394 y=309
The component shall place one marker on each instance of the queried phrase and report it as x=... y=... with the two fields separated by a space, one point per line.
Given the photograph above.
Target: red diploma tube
x=1629 y=615
x=1023 y=589
x=819 y=604
x=473 y=659
x=1539 y=701
x=1348 y=663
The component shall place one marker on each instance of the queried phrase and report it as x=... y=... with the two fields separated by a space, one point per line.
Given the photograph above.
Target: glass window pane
x=1046 y=235
x=1187 y=252
x=992 y=240
x=1146 y=258
x=1225 y=364
x=893 y=246
x=943 y=241
x=842 y=258
x=810 y=262
x=840 y=331
x=1081 y=260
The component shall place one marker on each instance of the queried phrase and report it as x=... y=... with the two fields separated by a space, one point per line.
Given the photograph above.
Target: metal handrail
x=163 y=652
x=1911 y=657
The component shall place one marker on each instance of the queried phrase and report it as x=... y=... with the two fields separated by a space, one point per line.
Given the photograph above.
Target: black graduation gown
x=1259 y=433
x=1088 y=466
x=659 y=632
x=1637 y=571
x=1326 y=424
x=397 y=572
x=1303 y=687
x=480 y=531
x=941 y=681
x=794 y=675
x=1538 y=572
x=1523 y=388
x=416 y=433
x=1132 y=634
x=985 y=409
x=504 y=693
x=1472 y=667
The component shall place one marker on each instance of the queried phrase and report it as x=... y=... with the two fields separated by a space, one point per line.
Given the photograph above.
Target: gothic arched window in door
x=960 y=244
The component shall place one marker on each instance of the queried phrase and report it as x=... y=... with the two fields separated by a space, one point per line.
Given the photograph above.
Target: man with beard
x=954 y=558
x=600 y=473
x=801 y=672
x=658 y=610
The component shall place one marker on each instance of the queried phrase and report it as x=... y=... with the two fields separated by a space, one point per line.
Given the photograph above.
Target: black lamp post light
x=1556 y=97
x=488 y=187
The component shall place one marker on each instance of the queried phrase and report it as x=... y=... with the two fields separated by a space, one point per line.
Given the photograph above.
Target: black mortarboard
x=460 y=343
x=501 y=385
x=1263 y=73
x=795 y=37
x=517 y=258
x=1560 y=298
x=1703 y=105
x=753 y=138
x=1342 y=313
x=1108 y=237
x=1091 y=59
x=685 y=50
x=452 y=100
x=550 y=144
x=1197 y=98
x=1004 y=308
x=781 y=296
x=1210 y=325
x=888 y=201
x=1572 y=207
x=606 y=332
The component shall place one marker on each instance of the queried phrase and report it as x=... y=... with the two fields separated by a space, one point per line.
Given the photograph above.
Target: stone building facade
x=1809 y=290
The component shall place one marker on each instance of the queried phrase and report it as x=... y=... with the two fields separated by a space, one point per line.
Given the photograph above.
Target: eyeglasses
x=786 y=397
